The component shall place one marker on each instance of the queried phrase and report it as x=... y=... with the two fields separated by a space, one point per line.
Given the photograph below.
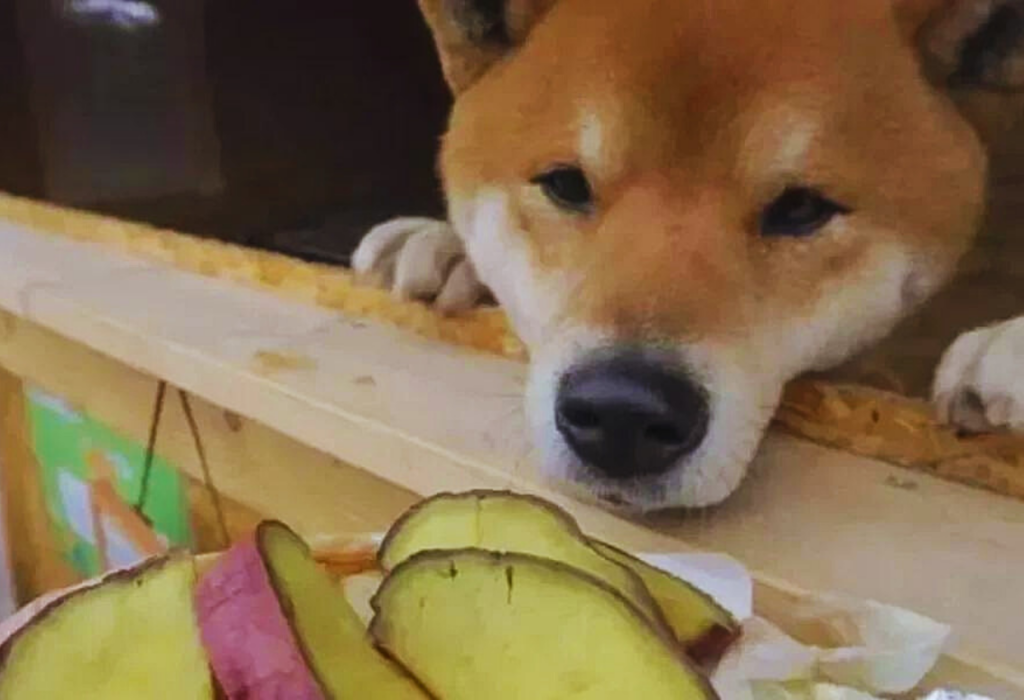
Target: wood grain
x=863 y=421
x=257 y=469
x=904 y=432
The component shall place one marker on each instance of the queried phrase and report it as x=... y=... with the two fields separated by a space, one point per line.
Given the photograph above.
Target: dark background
x=291 y=126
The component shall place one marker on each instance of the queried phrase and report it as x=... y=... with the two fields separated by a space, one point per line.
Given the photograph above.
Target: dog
x=684 y=204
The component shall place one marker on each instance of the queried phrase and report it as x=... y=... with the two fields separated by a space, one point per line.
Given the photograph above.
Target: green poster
x=92 y=480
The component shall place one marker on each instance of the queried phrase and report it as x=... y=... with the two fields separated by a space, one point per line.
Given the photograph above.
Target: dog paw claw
x=979 y=386
x=421 y=259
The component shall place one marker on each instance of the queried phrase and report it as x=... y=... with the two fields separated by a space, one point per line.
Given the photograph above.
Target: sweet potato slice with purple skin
x=130 y=634
x=701 y=625
x=248 y=639
x=500 y=521
x=276 y=625
x=474 y=624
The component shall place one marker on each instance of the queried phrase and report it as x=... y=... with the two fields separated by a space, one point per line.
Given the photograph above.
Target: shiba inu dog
x=683 y=204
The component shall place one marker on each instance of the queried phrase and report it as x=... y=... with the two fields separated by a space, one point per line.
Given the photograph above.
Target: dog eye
x=799 y=211
x=567 y=187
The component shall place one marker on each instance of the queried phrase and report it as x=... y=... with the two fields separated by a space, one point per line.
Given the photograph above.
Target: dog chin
x=706 y=478
x=694 y=483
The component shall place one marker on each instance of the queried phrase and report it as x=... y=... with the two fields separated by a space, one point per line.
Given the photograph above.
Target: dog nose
x=627 y=416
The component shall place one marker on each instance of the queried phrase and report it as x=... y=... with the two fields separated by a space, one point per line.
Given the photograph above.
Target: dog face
x=683 y=204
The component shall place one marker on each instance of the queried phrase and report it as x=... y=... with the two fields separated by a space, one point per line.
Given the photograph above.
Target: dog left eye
x=799 y=211
x=568 y=187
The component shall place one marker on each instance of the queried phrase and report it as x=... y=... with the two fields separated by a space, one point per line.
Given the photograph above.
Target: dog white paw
x=979 y=386
x=421 y=259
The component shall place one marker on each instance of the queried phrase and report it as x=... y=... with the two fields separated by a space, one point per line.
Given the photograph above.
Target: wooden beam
x=855 y=419
x=260 y=472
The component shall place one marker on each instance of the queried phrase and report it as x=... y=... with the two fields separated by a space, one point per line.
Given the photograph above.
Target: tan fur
x=688 y=188
x=689 y=118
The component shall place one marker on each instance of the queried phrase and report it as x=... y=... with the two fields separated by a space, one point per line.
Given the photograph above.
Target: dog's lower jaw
x=696 y=482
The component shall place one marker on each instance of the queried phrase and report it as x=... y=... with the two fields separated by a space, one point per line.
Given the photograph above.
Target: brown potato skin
x=121 y=576
x=511 y=558
x=708 y=649
x=572 y=528
x=263 y=530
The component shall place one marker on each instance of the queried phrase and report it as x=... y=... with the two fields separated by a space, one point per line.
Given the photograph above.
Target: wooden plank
x=902 y=431
x=254 y=466
x=857 y=419
x=424 y=417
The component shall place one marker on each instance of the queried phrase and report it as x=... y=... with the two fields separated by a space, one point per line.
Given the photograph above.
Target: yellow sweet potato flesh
x=474 y=624
x=703 y=626
x=505 y=522
x=131 y=636
x=334 y=639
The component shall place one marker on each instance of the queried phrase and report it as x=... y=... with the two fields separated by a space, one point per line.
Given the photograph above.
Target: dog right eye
x=567 y=187
x=799 y=211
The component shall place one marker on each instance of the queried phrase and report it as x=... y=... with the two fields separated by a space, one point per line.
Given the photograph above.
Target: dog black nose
x=627 y=416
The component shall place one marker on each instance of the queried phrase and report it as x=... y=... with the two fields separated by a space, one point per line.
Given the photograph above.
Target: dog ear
x=471 y=35
x=971 y=44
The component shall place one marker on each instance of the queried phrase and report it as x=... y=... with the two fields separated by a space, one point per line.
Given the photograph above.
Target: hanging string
x=193 y=426
x=147 y=466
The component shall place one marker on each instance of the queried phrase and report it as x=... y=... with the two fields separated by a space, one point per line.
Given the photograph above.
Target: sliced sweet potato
x=132 y=634
x=704 y=627
x=275 y=625
x=506 y=522
x=475 y=624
